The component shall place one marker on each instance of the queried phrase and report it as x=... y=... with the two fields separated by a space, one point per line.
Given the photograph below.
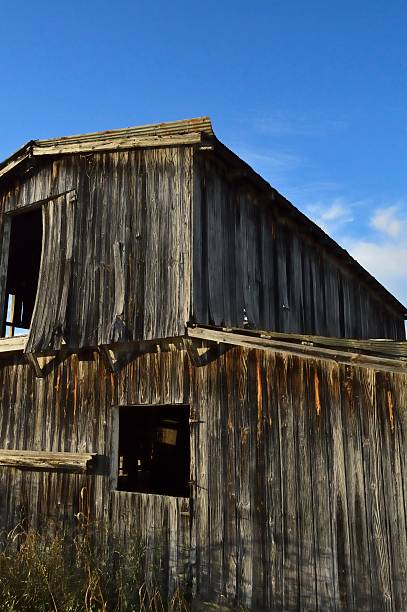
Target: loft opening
x=24 y=259
x=154 y=449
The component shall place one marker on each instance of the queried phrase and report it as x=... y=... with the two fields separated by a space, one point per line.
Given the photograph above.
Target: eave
x=173 y=133
x=384 y=355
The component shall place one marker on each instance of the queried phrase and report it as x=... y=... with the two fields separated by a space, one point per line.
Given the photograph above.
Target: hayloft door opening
x=24 y=259
x=154 y=449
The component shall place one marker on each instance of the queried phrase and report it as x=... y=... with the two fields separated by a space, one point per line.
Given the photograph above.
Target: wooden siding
x=49 y=317
x=131 y=255
x=251 y=262
x=299 y=469
x=140 y=218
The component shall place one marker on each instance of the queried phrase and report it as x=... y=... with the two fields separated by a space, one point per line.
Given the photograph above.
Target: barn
x=217 y=374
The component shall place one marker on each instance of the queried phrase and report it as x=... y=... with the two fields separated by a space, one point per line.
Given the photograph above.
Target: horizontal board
x=36 y=460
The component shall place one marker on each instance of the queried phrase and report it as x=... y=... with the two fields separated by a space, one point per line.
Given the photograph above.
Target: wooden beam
x=14 y=162
x=4 y=257
x=110 y=144
x=38 y=460
x=37 y=204
x=11 y=306
x=302 y=350
x=192 y=350
x=12 y=345
x=108 y=357
x=201 y=356
x=33 y=361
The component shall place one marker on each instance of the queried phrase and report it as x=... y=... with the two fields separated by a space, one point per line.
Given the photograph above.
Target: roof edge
x=186 y=131
x=385 y=355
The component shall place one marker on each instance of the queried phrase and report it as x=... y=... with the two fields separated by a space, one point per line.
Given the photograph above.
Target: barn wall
x=299 y=469
x=131 y=273
x=251 y=262
x=132 y=276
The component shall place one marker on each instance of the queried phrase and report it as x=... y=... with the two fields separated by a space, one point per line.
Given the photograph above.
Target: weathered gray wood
x=161 y=134
x=318 y=288
x=34 y=361
x=141 y=199
x=298 y=452
x=377 y=509
x=11 y=345
x=5 y=229
x=305 y=350
x=34 y=460
x=381 y=347
x=340 y=477
x=122 y=143
x=127 y=198
x=12 y=163
x=108 y=357
x=118 y=325
x=48 y=322
x=293 y=473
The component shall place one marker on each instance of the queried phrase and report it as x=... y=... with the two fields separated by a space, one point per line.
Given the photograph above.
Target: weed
x=76 y=573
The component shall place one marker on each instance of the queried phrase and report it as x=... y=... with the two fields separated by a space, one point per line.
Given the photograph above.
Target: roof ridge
x=154 y=134
x=182 y=126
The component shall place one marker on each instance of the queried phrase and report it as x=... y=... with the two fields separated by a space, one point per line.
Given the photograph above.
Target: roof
x=188 y=131
x=193 y=131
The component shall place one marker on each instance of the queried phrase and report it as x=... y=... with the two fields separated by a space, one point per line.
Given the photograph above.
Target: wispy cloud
x=331 y=216
x=313 y=191
x=281 y=122
x=383 y=252
x=337 y=212
x=385 y=261
x=271 y=164
x=389 y=222
x=378 y=240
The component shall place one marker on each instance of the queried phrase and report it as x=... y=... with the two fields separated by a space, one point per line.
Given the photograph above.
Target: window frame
x=61 y=208
x=114 y=447
x=5 y=264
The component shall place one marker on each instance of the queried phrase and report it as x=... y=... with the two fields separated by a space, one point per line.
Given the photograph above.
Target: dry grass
x=62 y=573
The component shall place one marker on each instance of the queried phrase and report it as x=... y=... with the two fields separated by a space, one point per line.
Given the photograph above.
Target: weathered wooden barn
x=198 y=359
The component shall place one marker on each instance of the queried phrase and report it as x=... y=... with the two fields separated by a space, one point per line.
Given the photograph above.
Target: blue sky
x=312 y=94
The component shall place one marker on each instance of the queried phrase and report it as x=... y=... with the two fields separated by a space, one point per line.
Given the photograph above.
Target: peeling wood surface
x=298 y=469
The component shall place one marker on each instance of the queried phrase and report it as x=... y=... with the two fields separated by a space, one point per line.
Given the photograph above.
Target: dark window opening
x=154 y=449
x=24 y=259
